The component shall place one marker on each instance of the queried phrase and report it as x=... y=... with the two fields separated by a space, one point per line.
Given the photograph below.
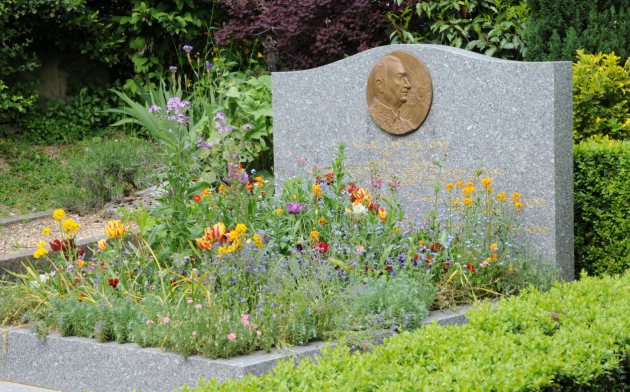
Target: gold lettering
x=533 y=229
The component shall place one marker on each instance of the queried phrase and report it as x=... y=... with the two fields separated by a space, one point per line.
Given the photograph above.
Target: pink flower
x=149 y=322
x=190 y=301
x=245 y=319
x=198 y=306
x=194 y=333
x=166 y=320
x=231 y=336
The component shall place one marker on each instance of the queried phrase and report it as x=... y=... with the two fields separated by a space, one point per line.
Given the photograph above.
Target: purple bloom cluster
x=154 y=108
x=220 y=123
x=172 y=68
x=187 y=48
x=203 y=144
x=176 y=108
x=294 y=207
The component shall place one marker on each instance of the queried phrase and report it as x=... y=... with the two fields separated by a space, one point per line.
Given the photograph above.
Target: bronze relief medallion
x=399 y=93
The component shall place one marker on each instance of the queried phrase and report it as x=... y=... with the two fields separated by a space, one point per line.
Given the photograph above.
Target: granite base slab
x=79 y=364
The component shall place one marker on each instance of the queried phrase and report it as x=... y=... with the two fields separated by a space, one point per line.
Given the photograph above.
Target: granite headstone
x=512 y=120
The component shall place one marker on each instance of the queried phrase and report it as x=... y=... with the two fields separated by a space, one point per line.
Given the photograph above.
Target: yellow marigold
x=279 y=211
x=80 y=264
x=457 y=202
x=222 y=188
x=40 y=252
x=468 y=190
x=322 y=221
x=241 y=229
x=516 y=197
x=59 y=215
x=314 y=236
x=260 y=181
x=41 y=244
x=205 y=192
x=490 y=190
x=470 y=184
x=494 y=246
x=258 y=241
x=501 y=196
x=518 y=205
x=460 y=184
x=69 y=226
x=102 y=244
x=46 y=231
x=115 y=229
x=449 y=187
x=486 y=182
x=468 y=201
x=317 y=190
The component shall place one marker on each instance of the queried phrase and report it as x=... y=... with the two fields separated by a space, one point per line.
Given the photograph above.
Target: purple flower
x=154 y=108
x=172 y=68
x=187 y=48
x=294 y=207
x=209 y=66
x=219 y=116
x=247 y=127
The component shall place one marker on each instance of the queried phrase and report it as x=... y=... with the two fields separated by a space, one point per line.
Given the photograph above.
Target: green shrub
x=494 y=28
x=574 y=337
x=556 y=29
x=602 y=210
x=107 y=170
x=601 y=96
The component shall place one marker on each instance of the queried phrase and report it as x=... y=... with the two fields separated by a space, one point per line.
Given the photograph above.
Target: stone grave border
x=76 y=364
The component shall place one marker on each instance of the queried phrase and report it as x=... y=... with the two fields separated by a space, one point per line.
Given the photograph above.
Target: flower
x=468 y=190
x=115 y=229
x=172 y=68
x=468 y=201
x=360 y=249
x=449 y=187
x=154 y=108
x=59 y=215
x=46 y=231
x=515 y=197
x=317 y=190
x=322 y=221
x=382 y=214
x=245 y=319
x=359 y=209
x=258 y=241
x=231 y=336
x=102 y=244
x=40 y=252
x=279 y=211
x=460 y=184
x=259 y=55
x=80 y=264
x=598 y=120
x=209 y=66
x=486 y=182
x=187 y=48
x=314 y=236
x=198 y=306
x=215 y=233
x=41 y=244
x=194 y=333
x=166 y=320
x=149 y=322
x=501 y=196
x=203 y=243
x=197 y=198
x=69 y=226
x=321 y=247
x=494 y=246
x=294 y=207
x=240 y=229
x=518 y=205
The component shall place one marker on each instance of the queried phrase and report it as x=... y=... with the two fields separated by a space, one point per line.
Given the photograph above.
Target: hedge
x=574 y=337
x=602 y=206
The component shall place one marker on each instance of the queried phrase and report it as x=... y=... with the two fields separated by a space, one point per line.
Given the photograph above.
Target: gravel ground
x=18 y=237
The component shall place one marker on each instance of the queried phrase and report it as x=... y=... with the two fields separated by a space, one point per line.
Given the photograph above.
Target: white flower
x=359 y=209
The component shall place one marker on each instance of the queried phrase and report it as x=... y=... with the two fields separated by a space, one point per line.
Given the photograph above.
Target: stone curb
x=13 y=262
x=79 y=364
x=25 y=218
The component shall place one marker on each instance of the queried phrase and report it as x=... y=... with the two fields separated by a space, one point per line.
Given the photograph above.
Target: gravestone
x=512 y=120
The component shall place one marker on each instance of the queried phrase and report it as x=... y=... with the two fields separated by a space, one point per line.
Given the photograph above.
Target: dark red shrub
x=302 y=34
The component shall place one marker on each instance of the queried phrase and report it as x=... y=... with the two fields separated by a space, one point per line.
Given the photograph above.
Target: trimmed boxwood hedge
x=576 y=337
x=602 y=206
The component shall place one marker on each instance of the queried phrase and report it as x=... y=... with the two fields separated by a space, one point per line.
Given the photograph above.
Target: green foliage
x=574 y=337
x=107 y=170
x=557 y=29
x=601 y=96
x=492 y=27
x=602 y=211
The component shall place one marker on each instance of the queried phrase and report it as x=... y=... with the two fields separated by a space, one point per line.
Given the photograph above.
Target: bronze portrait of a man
x=399 y=93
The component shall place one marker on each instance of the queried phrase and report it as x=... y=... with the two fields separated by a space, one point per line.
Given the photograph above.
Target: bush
x=556 y=29
x=601 y=96
x=602 y=211
x=494 y=28
x=107 y=170
x=299 y=35
x=573 y=338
